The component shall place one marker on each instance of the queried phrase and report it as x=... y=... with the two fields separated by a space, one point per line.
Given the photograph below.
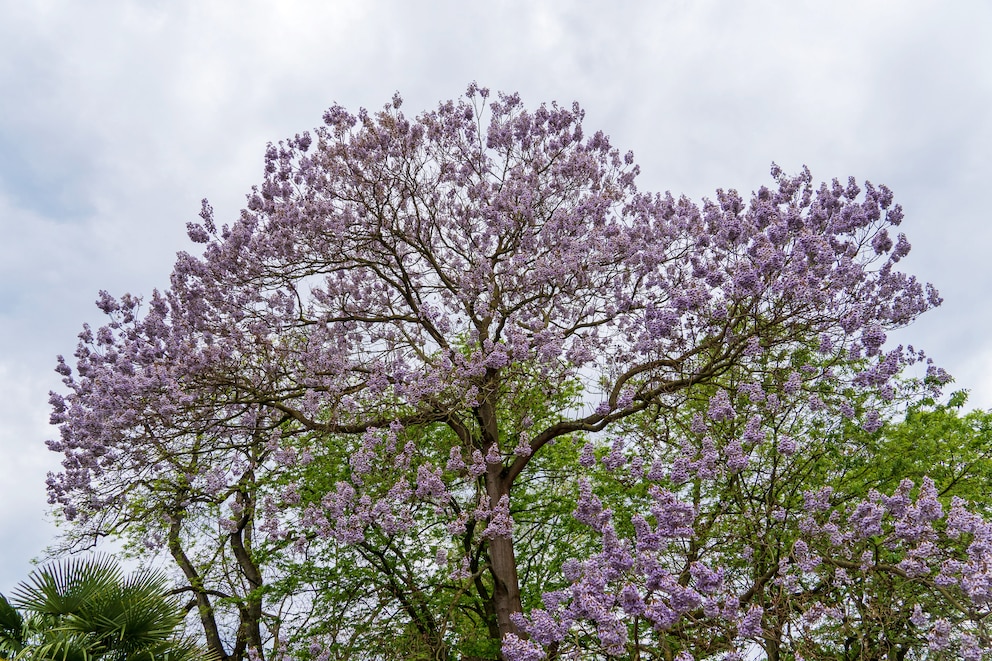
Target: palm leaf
x=66 y=588
x=84 y=609
x=11 y=628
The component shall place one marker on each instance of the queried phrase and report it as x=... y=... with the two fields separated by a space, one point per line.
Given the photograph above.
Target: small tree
x=424 y=308
x=87 y=609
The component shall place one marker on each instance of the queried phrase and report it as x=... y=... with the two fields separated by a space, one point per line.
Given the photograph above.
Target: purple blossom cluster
x=632 y=578
x=908 y=535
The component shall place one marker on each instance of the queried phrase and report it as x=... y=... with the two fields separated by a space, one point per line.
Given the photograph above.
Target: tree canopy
x=490 y=400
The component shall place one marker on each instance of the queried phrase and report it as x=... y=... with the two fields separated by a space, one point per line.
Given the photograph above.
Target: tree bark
x=251 y=612
x=506 y=588
x=503 y=562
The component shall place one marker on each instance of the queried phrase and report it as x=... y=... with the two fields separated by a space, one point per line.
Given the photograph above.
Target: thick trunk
x=506 y=585
x=503 y=562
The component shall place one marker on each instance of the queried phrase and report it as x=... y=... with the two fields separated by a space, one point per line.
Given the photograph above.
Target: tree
x=425 y=318
x=940 y=441
x=12 y=632
x=196 y=498
x=86 y=609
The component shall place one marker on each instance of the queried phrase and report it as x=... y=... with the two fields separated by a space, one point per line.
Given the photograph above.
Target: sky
x=117 y=118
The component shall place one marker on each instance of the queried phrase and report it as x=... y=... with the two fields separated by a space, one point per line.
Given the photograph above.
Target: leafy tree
x=88 y=610
x=414 y=339
x=941 y=441
x=199 y=504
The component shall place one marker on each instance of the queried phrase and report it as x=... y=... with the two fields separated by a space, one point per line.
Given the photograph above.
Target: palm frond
x=11 y=628
x=84 y=609
x=64 y=588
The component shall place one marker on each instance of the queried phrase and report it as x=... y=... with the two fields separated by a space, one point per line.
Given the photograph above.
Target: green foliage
x=388 y=597
x=12 y=631
x=87 y=610
x=750 y=520
x=942 y=441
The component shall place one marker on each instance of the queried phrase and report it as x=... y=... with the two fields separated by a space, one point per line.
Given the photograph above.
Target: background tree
x=752 y=525
x=422 y=297
x=196 y=496
x=943 y=441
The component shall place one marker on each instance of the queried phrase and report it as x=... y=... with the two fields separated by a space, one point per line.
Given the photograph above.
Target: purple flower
x=500 y=521
x=720 y=407
x=786 y=445
x=517 y=649
x=750 y=624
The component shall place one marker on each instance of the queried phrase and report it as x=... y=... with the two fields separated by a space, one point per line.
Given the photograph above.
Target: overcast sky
x=116 y=118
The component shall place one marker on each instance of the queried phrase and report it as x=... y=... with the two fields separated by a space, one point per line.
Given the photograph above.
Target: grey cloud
x=119 y=117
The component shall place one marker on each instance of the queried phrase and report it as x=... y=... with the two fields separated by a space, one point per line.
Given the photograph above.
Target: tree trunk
x=503 y=562
x=506 y=588
x=251 y=610
x=506 y=583
x=204 y=608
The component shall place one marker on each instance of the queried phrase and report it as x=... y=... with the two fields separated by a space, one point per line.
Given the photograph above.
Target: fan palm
x=87 y=610
x=11 y=630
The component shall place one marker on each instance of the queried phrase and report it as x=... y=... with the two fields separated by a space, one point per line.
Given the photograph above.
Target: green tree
x=943 y=441
x=752 y=486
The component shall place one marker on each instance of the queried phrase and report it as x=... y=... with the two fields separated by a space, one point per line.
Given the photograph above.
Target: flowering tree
x=400 y=349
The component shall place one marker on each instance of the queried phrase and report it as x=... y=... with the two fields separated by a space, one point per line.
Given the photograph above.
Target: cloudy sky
x=116 y=118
